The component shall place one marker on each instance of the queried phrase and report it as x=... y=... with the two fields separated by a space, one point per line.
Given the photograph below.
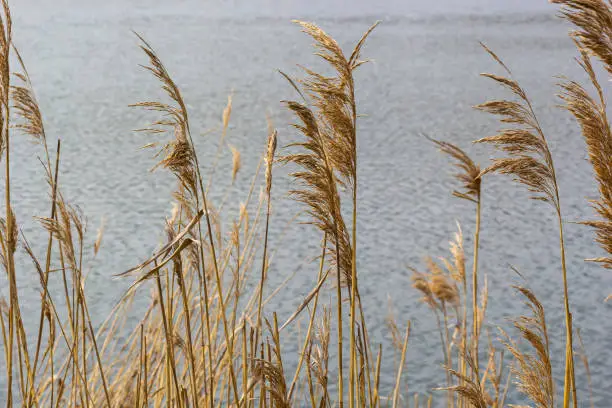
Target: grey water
x=423 y=79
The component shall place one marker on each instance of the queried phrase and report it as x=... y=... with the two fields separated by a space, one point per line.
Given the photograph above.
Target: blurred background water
x=83 y=60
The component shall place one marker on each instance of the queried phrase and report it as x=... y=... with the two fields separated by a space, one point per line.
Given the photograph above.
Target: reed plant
x=206 y=338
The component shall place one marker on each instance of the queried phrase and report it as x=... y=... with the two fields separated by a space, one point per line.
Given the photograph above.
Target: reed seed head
x=272 y=141
x=236 y=162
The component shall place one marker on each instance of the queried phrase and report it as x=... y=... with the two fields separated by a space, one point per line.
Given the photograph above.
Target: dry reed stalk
x=8 y=238
x=80 y=322
x=335 y=100
x=439 y=287
x=493 y=375
x=307 y=339
x=223 y=265
x=469 y=176
x=335 y=127
x=319 y=359
x=530 y=162
x=533 y=370
x=587 y=368
x=269 y=161
x=169 y=349
x=401 y=367
x=311 y=389
x=377 y=377
x=182 y=160
x=46 y=276
x=180 y=156
x=236 y=282
x=322 y=197
x=188 y=328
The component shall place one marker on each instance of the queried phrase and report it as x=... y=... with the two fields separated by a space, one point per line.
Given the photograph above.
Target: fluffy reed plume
x=530 y=162
x=446 y=293
x=26 y=105
x=421 y=283
x=177 y=154
x=6 y=34
x=440 y=293
x=319 y=192
x=227 y=112
x=318 y=359
x=533 y=370
x=273 y=376
x=225 y=118
x=594 y=20
x=272 y=141
x=329 y=127
x=393 y=328
x=493 y=376
x=334 y=99
x=456 y=269
x=468 y=173
x=437 y=286
x=471 y=389
x=444 y=288
x=99 y=236
x=590 y=113
x=529 y=159
x=236 y=162
x=271 y=372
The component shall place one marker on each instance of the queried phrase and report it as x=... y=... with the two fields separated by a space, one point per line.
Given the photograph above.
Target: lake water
x=83 y=61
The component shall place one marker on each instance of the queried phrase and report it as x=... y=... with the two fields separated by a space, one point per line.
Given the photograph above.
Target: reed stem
x=168 y=335
x=47 y=270
x=339 y=308
x=476 y=325
x=9 y=236
x=353 y=298
x=401 y=367
x=310 y=322
x=264 y=263
x=569 y=386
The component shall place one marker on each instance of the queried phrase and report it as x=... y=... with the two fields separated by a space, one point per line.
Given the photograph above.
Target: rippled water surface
x=83 y=61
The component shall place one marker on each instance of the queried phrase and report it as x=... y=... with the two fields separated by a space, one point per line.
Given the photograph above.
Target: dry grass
x=207 y=339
